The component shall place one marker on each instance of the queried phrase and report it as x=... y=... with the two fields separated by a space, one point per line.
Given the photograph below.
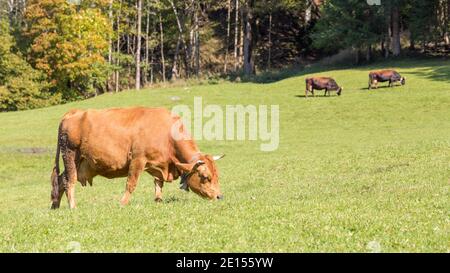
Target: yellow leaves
x=76 y=44
x=3 y=91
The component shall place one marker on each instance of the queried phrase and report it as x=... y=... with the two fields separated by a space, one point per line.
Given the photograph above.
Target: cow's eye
x=204 y=178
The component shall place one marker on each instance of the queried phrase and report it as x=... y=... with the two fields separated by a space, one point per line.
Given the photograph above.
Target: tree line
x=55 y=51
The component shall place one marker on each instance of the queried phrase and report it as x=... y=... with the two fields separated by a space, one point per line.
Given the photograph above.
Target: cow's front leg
x=135 y=170
x=308 y=90
x=158 y=190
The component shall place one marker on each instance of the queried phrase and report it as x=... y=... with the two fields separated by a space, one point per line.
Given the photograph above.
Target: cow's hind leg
x=135 y=170
x=69 y=157
x=158 y=190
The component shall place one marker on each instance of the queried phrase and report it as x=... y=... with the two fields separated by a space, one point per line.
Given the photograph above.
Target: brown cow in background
x=320 y=83
x=125 y=142
x=391 y=76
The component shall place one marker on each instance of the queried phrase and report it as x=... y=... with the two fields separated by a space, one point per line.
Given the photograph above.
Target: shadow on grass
x=279 y=75
x=436 y=73
x=171 y=199
x=433 y=68
x=380 y=87
x=316 y=97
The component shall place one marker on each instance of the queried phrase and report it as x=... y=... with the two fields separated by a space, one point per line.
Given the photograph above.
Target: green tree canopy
x=69 y=43
x=21 y=86
x=348 y=23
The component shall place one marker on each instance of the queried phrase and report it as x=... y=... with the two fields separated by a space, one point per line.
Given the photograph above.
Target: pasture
x=367 y=171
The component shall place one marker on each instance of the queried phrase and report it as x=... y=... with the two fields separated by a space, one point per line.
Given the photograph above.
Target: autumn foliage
x=69 y=43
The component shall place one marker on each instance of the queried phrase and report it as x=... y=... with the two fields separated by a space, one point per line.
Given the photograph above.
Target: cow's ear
x=189 y=167
x=217 y=157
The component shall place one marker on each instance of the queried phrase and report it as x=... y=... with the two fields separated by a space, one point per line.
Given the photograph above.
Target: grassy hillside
x=365 y=171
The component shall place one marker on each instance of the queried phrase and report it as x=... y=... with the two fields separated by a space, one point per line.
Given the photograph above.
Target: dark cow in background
x=390 y=76
x=321 y=83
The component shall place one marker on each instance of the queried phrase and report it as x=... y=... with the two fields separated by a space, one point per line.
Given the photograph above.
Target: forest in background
x=55 y=51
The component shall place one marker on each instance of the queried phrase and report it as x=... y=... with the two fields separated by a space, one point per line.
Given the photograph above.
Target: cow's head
x=339 y=91
x=201 y=177
x=403 y=80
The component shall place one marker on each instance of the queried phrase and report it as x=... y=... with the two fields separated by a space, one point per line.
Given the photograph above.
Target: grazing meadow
x=368 y=171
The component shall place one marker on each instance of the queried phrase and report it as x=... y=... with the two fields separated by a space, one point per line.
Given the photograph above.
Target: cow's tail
x=370 y=81
x=56 y=170
x=308 y=86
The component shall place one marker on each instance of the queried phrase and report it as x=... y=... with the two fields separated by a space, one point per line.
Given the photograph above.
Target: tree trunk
x=138 y=45
x=269 y=57
x=175 y=73
x=110 y=47
x=117 y=77
x=151 y=66
x=228 y=37
x=248 y=39
x=388 y=35
x=369 y=53
x=163 y=61
x=396 y=47
x=241 y=41
x=181 y=36
x=197 y=41
x=110 y=17
x=128 y=53
x=236 y=31
x=446 y=12
x=147 y=31
x=358 y=56
x=308 y=12
x=192 y=36
x=412 y=44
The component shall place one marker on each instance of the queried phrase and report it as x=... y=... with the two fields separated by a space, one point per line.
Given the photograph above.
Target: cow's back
x=384 y=75
x=324 y=83
x=108 y=139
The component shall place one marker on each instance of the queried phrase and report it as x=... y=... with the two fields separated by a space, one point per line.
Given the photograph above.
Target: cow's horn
x=217 y=157
x=199 y=162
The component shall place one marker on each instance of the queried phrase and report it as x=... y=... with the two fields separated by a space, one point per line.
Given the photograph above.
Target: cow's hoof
x=158 y=200
x=123 y=202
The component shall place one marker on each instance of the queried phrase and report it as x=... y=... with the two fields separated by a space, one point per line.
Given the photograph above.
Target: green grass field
x=367 y=171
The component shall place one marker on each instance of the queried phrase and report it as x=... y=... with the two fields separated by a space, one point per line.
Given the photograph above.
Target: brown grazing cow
x=391 y=76
x=321 y=83
x=125 y=142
